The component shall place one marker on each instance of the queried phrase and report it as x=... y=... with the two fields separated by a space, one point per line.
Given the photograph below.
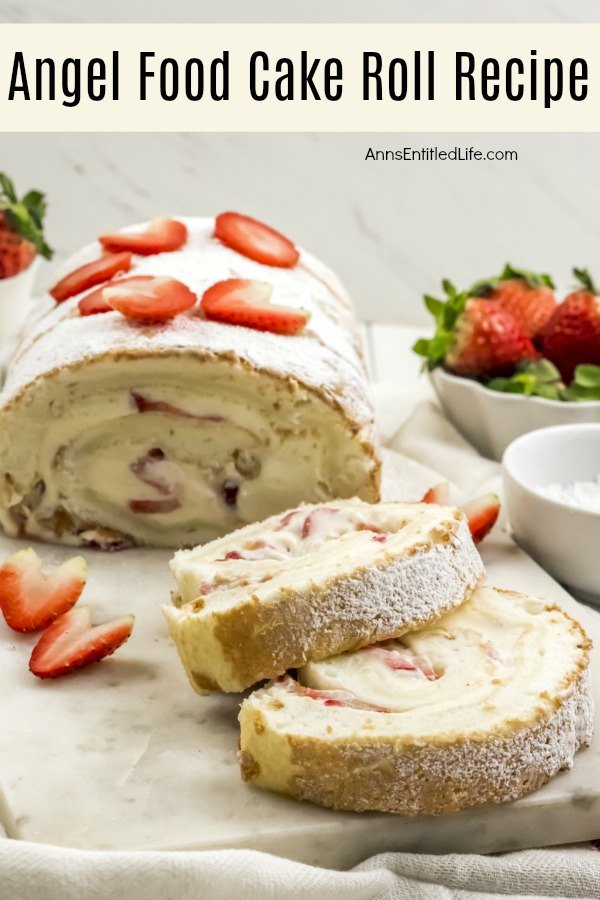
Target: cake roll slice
x=313 y=582
x=116 y=431
x=482 y=706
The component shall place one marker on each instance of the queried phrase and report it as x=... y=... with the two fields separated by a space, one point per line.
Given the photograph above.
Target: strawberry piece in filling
x=329 y=698
x=146 y=404
x=399 y=662
x=152 y=470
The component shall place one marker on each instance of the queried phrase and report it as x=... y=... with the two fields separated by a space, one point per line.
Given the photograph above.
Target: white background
x=392 y=230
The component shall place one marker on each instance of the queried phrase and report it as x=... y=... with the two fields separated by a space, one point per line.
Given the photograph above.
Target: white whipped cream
x=495 y=657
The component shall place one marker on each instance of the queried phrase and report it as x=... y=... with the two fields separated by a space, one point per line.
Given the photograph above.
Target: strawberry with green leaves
x=474 y=337
x=572 y=335
x=527 y=296
x=21 y=228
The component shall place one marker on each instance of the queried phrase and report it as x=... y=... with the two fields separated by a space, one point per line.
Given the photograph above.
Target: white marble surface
x=391 y=230
x=126 y=756
x=306 y=11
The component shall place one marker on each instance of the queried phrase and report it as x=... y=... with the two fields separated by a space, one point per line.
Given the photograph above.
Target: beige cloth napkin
x=427 y=450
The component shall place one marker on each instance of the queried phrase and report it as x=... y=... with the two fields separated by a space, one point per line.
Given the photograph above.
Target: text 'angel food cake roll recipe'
x=314 y=582
x=248 y=396
x=483 y=706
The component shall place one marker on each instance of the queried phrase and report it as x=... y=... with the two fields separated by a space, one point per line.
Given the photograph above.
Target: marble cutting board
x=125 y=755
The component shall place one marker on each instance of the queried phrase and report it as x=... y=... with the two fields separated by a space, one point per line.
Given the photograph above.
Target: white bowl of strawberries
x=507 y=358
x=21 y=245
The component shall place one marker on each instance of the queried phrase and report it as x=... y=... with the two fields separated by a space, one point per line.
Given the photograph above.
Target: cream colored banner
x=190 y=60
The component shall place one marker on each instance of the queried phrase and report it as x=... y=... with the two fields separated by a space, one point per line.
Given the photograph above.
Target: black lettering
x=333 y=73
x=71 y=82
x=514 y=89
x=551 y=94
x=307 y=75
x=490 y=79
x=465 y=66
x=581 y=65
x=48 y=64
x=18 y=78
x=398 y=63
x=219 y=71
x=99 y=76
x=372 y=65
x=169 y=71
x=259 y=58
x=145 y=72
x=284 y=85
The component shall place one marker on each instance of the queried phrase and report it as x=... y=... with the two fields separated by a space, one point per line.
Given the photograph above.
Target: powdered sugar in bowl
x=552 y=494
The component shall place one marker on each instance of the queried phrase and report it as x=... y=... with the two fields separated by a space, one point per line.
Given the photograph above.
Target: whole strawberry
x=527 y=296
x=21 y=228
x=572 y=335
x=474 y=337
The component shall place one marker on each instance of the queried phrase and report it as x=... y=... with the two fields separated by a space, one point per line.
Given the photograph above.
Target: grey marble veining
x=391 y=230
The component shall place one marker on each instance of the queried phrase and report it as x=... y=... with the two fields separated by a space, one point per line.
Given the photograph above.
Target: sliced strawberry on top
x=255 y=240
x=94 y=303
x=238 y=301
x=90 y=275
x=161 y=236
x=440 y=493
x=71 y=642
x=148 y=298
x=31 y=599
x=481 y=515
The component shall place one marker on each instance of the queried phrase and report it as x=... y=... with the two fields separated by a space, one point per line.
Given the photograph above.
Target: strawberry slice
x=440 y=493
x=30 y=599
x=148 y=298
x=481 y=515
x=71 y=642
x=161 y=236
x=94 y=303
x=90 y=275
x=256 y=240
x=238 y=301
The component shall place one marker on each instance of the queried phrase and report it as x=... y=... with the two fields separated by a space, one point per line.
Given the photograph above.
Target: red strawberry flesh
x=31 y=599
x=90 y=275
x=149 y=298
x=161 y=236
x=243 y=302
x=71 y=643
x=481 y=514
x=256 y=240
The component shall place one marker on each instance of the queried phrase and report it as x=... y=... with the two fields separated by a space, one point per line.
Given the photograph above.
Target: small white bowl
x=490 y=420
x=564 y=539
x=16 y=295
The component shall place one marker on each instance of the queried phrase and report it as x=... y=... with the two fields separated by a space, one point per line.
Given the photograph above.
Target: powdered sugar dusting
x=327 y=357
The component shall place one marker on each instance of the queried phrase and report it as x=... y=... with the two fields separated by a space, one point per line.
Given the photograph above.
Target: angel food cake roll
x=183 y=379
x=483 y=706
x=314 y=582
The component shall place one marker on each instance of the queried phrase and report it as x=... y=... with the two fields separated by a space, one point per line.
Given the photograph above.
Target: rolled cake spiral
x=314 y=582
x=482 y=706
x=114 y=432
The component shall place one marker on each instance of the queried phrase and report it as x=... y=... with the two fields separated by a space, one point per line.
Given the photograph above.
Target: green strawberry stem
x=445 y=313
x=585 y=281
x=25 y=216
x=511 y=273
